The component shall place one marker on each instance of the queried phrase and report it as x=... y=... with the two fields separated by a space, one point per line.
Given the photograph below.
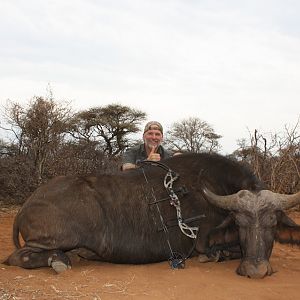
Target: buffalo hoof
x=203 y=258
x=59 y=266
x=59 y=262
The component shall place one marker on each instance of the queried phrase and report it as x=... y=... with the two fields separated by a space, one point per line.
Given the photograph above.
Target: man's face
x=152 y=138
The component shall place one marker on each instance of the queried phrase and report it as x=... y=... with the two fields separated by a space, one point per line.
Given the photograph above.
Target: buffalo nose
x=255 y=270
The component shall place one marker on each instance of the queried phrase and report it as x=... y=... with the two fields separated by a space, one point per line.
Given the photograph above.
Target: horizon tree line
x=49 y=139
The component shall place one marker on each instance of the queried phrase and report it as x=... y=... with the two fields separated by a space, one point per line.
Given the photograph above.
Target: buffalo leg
x=31 y=258
x=202 y=245
x=84 y=253
x=223 y=252
x=231 y=253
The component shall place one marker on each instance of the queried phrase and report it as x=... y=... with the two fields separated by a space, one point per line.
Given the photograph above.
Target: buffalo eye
x=241 y=219
x=270 y=220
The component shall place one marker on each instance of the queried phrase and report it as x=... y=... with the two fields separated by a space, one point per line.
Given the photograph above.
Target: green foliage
x=108 y=127
x=192 y=135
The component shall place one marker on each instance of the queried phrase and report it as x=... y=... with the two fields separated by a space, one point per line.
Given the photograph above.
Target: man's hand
x=128 y=166
x=153 y=156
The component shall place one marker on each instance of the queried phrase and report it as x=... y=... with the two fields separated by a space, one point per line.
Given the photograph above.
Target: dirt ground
x=97 y=280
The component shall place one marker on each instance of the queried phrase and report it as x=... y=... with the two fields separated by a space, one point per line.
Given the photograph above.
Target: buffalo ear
x=288 y=232
x=283 y=220
x=225 y=223
x=224 y=233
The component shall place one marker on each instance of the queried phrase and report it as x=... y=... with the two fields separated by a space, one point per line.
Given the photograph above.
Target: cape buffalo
x=128 y=218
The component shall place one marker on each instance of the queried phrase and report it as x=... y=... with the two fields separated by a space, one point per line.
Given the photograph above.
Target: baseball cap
x=153 y=125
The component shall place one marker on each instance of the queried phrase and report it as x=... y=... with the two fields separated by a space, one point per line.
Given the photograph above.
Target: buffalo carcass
x=110 y=217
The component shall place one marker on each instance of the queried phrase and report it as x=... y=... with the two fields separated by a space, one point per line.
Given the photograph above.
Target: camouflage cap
x=153 y=125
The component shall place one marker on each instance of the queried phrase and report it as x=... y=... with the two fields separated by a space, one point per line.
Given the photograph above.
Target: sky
x=234 y=64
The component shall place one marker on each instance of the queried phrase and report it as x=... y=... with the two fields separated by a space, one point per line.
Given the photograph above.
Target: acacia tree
x=107 y=127
x=192 y=135
x=38 y=129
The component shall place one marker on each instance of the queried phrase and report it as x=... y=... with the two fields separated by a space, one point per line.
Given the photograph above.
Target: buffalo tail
x=16 y=235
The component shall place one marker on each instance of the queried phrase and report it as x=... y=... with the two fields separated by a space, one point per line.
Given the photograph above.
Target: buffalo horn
x=228 y=202
x=288 y=201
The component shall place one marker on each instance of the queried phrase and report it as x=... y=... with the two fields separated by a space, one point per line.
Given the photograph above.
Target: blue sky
x=233 y=64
